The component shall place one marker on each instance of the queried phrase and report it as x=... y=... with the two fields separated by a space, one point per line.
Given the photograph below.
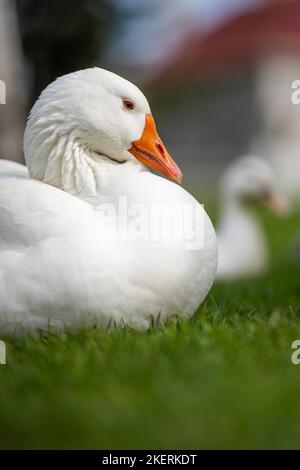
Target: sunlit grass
x=223 y=380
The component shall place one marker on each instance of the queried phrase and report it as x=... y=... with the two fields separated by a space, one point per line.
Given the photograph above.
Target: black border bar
x=137 y=458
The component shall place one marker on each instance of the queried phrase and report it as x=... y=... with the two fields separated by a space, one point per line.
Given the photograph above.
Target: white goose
x=243 y=249
x=64 y=261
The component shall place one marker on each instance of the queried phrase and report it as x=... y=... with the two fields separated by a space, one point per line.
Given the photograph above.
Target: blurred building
x=239 y=75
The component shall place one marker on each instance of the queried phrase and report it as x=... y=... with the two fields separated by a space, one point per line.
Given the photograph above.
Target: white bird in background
x=243 y=250
x=87 y=140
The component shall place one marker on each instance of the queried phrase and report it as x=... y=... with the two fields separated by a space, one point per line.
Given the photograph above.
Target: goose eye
x=128 y=104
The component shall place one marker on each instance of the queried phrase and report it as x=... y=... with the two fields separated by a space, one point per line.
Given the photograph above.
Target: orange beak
x=150 y=150
x=276 y=204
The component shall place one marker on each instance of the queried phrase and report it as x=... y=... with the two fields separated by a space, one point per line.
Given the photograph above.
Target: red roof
x=272 y=27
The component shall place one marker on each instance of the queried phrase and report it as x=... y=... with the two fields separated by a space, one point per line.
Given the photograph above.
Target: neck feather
x=73 y=167
x=64 y=160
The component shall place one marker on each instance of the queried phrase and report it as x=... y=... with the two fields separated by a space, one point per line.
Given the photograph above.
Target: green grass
x=222 y=380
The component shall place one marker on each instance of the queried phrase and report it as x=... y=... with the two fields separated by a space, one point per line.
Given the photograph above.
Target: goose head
x=86 y=122
x=251 y=178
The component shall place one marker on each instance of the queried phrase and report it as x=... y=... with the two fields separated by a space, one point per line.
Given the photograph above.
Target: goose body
x=243 y=249
x=66 y=260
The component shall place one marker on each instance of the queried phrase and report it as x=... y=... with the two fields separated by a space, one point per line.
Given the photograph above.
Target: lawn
x=223 y=380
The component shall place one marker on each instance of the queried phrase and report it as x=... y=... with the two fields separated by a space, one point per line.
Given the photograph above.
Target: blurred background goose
x=65 y=262
x=243 y=249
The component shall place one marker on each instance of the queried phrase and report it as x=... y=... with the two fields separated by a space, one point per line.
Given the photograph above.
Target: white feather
x=57 y=266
